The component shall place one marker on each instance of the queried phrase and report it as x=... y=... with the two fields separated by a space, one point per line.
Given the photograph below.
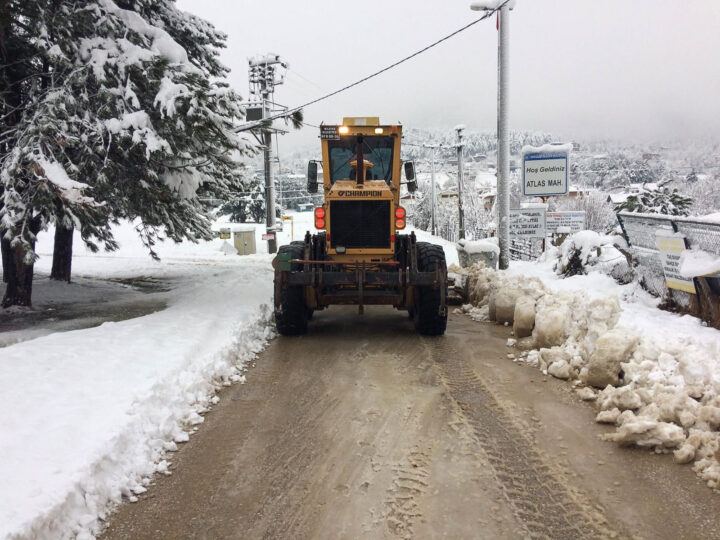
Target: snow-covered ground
x=91 y=414
x=655 y=375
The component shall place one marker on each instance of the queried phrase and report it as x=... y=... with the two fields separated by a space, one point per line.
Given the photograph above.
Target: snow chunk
x=560 y=369
x=696 y=262
x=611 y=349
x=587 y=394
x=644 y=432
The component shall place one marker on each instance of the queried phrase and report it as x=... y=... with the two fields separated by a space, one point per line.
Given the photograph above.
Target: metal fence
x=640 y=232
x=525 y=249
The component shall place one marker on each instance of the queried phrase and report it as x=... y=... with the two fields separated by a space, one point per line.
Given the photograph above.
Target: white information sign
x=671 y=247
x=566 y=222
x=545 y=173
x=527 y=223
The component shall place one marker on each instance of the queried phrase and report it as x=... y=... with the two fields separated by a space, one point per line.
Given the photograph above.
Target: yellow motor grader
x=359 y=255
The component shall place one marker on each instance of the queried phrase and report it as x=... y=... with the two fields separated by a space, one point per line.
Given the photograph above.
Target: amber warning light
x=320 y=218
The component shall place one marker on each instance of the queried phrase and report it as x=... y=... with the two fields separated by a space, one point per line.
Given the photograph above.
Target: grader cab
x=359 y=254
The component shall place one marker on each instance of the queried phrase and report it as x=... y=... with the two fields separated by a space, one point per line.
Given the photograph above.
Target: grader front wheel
x=291 y=315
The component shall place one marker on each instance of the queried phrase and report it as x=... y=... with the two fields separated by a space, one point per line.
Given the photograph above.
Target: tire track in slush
x=540 y=501
x=409 y=482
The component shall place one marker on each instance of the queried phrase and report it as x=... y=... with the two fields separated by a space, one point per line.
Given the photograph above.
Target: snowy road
x=363 y=429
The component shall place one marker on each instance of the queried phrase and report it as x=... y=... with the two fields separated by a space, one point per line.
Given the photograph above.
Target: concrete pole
x=269 y=193
x=432 y=191
x=461 y=179
x=503 y=139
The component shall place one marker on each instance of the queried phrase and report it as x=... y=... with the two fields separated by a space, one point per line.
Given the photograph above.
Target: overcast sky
x=646 y=70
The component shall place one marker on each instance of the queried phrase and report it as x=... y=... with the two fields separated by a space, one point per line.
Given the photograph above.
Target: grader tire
x=427 y=317
x=292 y=317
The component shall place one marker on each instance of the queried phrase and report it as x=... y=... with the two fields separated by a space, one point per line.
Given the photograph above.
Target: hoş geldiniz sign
x=527 y=223
x=671 y=246
x=545 y=173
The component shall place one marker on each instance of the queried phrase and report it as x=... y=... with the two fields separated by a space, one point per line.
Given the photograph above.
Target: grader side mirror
x=312 y=184
x=410 y=176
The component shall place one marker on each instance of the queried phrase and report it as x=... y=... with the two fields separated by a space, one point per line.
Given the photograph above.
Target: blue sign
x=545 y=174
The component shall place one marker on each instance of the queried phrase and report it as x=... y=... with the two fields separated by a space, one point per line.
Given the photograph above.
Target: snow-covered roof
x=618 y=198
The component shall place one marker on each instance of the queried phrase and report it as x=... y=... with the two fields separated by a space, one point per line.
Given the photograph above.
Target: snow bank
x=661 y=391
x=91 y=415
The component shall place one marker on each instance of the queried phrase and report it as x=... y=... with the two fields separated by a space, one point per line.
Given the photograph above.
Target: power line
x=375 y=74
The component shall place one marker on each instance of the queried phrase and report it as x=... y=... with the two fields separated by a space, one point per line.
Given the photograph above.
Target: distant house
x=448 y=196
x=575 y=192
x=620 y=197
x=305 y=207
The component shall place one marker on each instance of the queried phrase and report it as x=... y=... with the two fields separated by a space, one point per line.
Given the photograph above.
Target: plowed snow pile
x=662 y=394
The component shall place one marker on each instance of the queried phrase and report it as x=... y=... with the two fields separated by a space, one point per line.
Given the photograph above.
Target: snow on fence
x=525 y=249
x=640 y=231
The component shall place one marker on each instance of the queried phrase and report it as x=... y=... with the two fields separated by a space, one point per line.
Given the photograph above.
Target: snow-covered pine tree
x=658 y=201
x=135 y=123
x=249 y=206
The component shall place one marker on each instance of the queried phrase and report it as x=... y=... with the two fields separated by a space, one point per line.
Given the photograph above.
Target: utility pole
x=503 y=198
x=263 y=76
x=432 y=190
x=503 y=138
x=461 y=178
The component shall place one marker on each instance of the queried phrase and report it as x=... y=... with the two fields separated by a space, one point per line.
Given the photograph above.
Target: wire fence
x=525 y=249
x=640 y=231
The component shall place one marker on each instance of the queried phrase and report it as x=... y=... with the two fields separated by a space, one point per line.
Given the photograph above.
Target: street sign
x=225 y=234
x=671 y=246
x=268 y=236
x=527 y=223
x=566 y=222
x=545 y=173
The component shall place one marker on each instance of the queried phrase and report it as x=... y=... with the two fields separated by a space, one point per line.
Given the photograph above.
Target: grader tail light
x=320 y=218
x=400 y=218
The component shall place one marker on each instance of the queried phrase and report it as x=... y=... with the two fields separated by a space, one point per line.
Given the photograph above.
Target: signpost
x=268 y=236
x=545 y=173
x=527 y=223
x=671 y=246
x=292 y=226
x=568 y=222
